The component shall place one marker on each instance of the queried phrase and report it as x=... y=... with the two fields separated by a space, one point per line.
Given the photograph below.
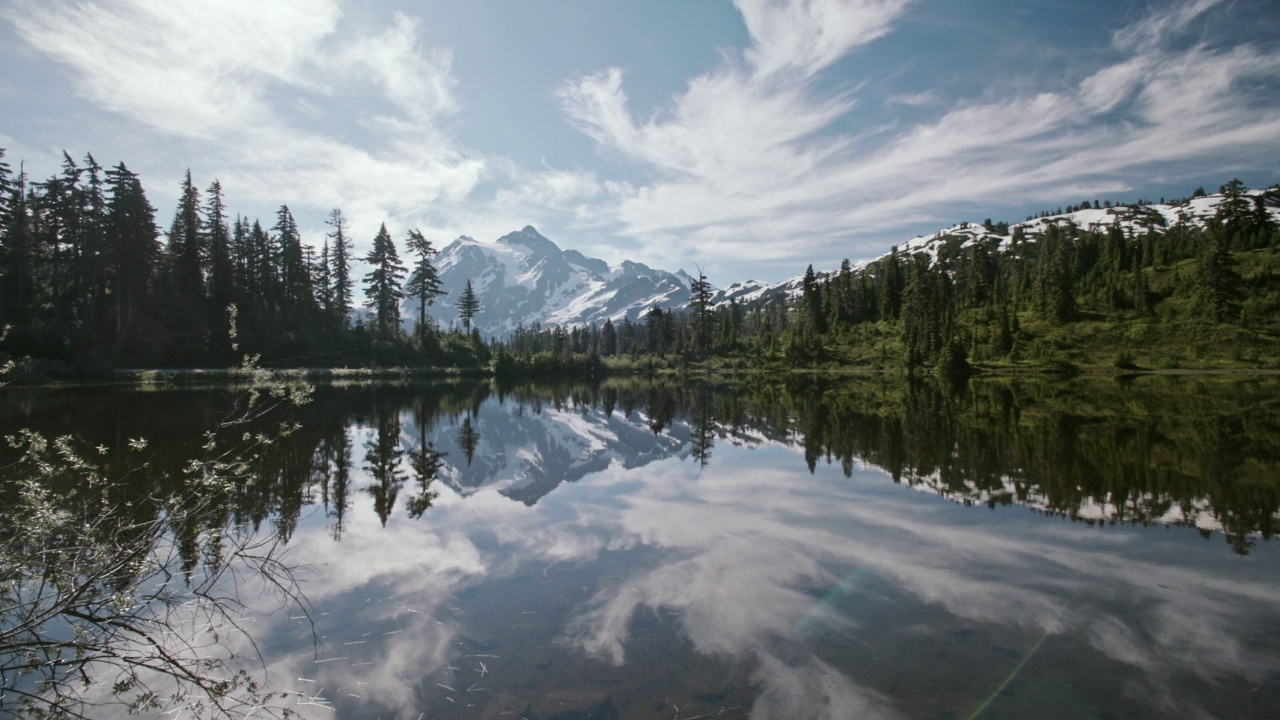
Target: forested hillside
x=1130 y=290
x=90 y=282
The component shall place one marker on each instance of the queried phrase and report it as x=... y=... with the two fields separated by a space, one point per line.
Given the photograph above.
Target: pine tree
x=1055 y=286
x=341 y=272
x=294 y=279
x=93 y=247
x=1216 y=282
x=700 y=305
x=468 y=306
x=654 y=326
x=324 y=281
x=608 y=338
x=926 y=312
x=19 y=254
x=218 y=240
x=186 y=249
x=1234 y=214
x=424 y=283
x=891 y=286
x=382 y=290
x=133 y=249
x=811 y=300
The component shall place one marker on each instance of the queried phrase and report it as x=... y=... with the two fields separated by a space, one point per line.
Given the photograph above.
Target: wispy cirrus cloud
x=804 y=36
x=770 y=170
x=229 y=80
x=769 y=161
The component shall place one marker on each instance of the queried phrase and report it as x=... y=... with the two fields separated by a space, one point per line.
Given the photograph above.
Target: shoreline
x=196 y=376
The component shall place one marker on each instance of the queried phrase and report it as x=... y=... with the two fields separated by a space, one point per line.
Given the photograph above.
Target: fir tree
x=218 y=240
x=811 y=300
x=340 y=255
x=186 y=246
x=1216 y=283
x=424 y=283
x=468 y=306
x=382 y=291
x=700 y=305
x=133 y=249
x=295 y=278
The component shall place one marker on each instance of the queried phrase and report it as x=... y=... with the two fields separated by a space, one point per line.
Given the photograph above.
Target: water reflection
x=629 y=549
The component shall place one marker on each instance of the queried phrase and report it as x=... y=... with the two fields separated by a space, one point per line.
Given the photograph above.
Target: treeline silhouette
x=88 y=282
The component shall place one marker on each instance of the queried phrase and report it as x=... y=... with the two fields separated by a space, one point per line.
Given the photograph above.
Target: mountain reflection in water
x=629 y=549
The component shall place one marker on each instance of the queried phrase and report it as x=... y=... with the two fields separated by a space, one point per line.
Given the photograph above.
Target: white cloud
x=193 y=69
x=804 y=36
x=225 y=77
x=761 y=171
x=757 y=161
x=419 y=82
x=1148 y=33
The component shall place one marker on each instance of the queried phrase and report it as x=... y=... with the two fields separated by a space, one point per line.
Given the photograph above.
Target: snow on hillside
x=525 y=279
x=1137 y=219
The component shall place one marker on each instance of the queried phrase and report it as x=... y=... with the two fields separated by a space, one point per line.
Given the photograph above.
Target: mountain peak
x=529 y=237
x=525 y=278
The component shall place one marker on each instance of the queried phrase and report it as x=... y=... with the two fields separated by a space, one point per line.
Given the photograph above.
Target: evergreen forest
x=91 y=282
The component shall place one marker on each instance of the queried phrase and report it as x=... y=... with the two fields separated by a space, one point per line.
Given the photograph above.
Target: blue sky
x=749 y=138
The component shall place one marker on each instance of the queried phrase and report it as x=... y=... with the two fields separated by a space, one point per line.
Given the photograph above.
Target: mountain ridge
x=524 y=278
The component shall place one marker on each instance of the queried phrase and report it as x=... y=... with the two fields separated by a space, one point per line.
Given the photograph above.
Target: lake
x=867 y=547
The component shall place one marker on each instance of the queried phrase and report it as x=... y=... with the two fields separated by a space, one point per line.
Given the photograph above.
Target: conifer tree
x=1055 y=291
x=468 y=306
x=324 y=281
x=1216 y=282
x=186 y=247
x=340 y=254
x=891 y=286
x=295 y=278
x=93 y=246
x=133 y=249
x=700 y=304
x=218 y=240
x=424 y=282
x=926 y=312
x=382 y=291
x=811 y=299
x=608 y=338
x=1141 y=293
x=19 y=253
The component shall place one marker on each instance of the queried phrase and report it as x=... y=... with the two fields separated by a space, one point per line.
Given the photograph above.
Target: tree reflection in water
x=127 y=589
x=126 y=583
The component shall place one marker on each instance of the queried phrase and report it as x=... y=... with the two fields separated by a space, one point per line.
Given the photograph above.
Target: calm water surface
x=1076 y=549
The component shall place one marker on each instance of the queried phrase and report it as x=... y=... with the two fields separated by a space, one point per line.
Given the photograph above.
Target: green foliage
x=110 y=572
x=1216 y=284
x=468 y=306
x=383 y=292
x=87 y=286
x=424 y=283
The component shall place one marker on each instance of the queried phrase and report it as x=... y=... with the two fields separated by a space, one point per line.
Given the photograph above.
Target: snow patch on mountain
x=1131 y=219
x=525 y=279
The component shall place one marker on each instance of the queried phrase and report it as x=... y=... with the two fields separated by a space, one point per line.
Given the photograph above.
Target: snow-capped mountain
x=1134 y=219
x=526 y=455
x=525 y=278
